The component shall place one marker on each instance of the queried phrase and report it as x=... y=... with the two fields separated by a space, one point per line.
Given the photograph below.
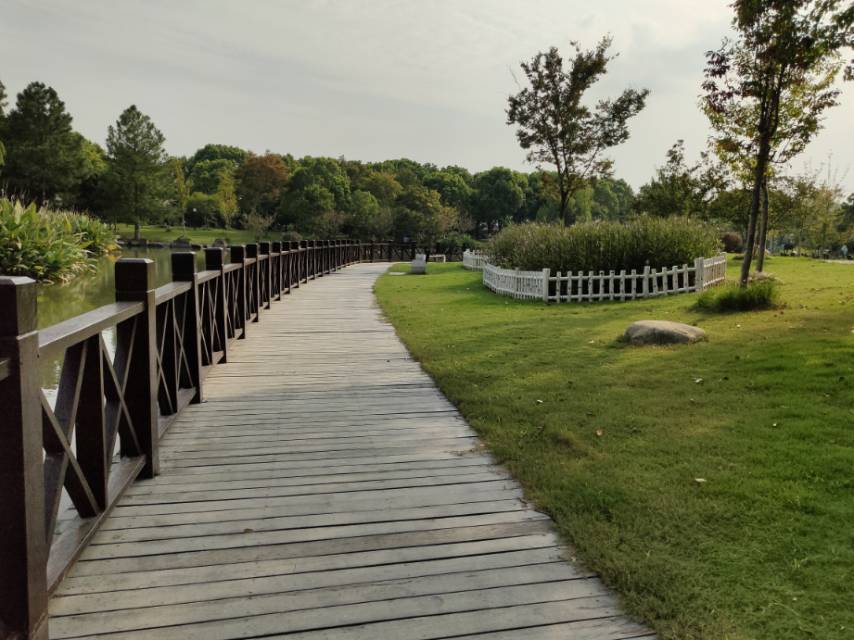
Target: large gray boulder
x=662 y=332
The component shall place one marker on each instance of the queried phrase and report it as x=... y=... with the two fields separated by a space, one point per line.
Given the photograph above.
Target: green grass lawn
x=199 y=236
x=713 y=484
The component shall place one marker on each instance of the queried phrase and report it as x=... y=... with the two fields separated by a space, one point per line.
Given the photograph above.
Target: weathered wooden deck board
x=326 y=489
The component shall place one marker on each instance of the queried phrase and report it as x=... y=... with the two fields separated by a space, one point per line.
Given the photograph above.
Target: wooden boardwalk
x=326 y=489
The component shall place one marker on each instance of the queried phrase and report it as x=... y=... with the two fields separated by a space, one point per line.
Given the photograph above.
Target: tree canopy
x=555 y=127
x=44 y=157
x=137 y=178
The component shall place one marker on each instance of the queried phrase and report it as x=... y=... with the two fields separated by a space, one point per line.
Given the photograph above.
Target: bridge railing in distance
x=112 y=406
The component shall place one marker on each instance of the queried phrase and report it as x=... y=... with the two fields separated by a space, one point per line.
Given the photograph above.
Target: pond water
x=63 y=300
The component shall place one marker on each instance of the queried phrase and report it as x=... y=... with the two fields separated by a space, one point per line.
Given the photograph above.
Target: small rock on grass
x=662 y=332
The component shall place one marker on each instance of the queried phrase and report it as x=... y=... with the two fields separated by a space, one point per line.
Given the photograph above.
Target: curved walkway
x=326 y=489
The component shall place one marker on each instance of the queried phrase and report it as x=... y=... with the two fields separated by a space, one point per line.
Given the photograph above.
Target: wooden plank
x=322 y=613
x=194 y=529
x=156 y=579
x=215 y=589
x=234 y=490
x=255 y=538
x=312 y=547
x=335 y=596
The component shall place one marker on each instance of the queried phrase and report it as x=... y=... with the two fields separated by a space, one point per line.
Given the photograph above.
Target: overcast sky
x=368 y=80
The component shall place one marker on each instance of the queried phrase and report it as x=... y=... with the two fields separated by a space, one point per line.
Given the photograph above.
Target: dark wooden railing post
x=310 y=272
x=253 y=281
x=184 y=270
x=135 y=283
x=215 y=261
x=303 y=244
x=23 y=543
x=238 y=255
x=277 y=269
x=265 y=274
x=296 y=264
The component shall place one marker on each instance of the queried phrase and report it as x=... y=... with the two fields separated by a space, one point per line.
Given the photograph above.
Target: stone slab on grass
x=662 y=332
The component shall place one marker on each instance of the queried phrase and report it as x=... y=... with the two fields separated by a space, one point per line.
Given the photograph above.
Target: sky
x=371 y=80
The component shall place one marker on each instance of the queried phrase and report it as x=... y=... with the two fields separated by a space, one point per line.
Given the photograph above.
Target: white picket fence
x=597 y=286
x=473 y=261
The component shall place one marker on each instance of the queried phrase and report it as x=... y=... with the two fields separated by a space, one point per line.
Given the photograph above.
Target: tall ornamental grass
x=602 y=246
x=758 y=294
x=48 y=245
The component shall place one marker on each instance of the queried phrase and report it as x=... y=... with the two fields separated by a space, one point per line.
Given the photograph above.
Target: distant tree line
x=134 y=180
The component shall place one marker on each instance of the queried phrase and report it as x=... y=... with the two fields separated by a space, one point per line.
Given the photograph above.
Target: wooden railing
x=111 y=410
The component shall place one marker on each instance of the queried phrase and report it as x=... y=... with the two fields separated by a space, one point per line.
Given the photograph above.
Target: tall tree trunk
x=763 y=233
x=136 y=230
x=750 y=241
x=564 y=211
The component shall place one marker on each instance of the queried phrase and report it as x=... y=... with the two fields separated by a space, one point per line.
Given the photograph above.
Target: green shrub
x=732 y=242
x=97 y=238
x=48 y=245
x=601 y=246
x=454 y=243
x=758 y=294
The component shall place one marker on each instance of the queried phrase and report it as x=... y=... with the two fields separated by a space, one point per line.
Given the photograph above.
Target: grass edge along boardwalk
x=711 y=485
x=327 y=489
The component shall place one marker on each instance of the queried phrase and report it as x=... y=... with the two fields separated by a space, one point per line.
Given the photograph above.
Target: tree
x=612 y=199
x=383 y=185
x=420 y=216
x=318 y=188
x=2 y=122
x=203 y=210
x=260 y=182
x=182 y=188
x=774 y=73
x=137 y=177
x=257 y=223
x=45 y=158
x=368 y=219
x=235 y=155
x=555 y=128
x=813 y=210
x=848 y=213
x=92 y=171
x=678 y=189
x=452 y=186
x=206 y=175
x=498 y=196
x=216 y=178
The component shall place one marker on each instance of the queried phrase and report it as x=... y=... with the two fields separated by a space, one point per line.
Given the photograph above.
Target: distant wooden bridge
x=317 y=485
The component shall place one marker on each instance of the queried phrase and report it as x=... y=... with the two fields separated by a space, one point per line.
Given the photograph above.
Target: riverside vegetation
x=49 y=245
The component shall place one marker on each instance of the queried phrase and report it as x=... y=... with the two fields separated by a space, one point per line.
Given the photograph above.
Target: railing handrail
x=63 y=334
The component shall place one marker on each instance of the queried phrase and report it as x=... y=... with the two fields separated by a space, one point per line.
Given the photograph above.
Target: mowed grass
x=199 y=236
x=712 y=485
